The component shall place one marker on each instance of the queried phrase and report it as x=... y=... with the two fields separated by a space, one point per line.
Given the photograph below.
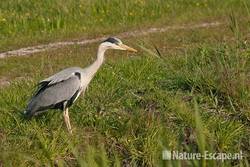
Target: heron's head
x=115 y=43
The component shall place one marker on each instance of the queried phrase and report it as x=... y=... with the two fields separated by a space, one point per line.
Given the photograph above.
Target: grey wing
x=62 y=75
x=58 y=77
x=55 y=96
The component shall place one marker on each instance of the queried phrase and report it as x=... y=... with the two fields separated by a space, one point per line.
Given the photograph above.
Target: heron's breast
x=85 y=81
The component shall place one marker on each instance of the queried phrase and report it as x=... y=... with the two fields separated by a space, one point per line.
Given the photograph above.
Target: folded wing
x=58 y=91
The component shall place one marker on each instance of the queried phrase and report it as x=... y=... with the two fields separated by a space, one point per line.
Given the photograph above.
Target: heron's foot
x=70 y=131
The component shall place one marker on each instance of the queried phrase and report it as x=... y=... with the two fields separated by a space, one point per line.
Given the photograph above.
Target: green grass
x=136 y=108
x=192 y=95
x=24 y=23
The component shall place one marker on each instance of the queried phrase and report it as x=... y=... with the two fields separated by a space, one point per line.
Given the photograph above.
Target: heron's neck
x=98 y=62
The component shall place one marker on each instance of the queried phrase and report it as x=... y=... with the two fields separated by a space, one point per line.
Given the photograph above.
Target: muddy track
x=51 y=46
x=4 y=81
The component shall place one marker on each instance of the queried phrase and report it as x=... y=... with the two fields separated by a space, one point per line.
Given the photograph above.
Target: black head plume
x=113 y=40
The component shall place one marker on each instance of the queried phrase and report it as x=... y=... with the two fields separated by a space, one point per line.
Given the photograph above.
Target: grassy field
x=28 y=22
x=185 y=90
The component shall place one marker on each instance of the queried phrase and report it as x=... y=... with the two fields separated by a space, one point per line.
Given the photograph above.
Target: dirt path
x=4 y=81
x=40 y=48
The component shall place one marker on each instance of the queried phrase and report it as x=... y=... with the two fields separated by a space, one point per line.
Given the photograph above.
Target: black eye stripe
x=112 y=40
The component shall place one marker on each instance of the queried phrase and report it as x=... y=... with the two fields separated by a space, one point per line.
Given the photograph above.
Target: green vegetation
x=189 y=91
x=28 y=22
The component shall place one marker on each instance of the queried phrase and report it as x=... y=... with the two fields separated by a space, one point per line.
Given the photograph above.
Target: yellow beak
x=128 y=48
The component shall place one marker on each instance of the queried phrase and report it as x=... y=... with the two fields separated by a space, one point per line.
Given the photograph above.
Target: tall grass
x=136 y=109
x=192 y=101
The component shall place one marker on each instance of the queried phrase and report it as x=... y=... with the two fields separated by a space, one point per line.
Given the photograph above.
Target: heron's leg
x=66 y=119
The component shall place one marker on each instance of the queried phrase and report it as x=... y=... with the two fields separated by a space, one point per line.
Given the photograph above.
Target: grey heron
x=61 y=90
